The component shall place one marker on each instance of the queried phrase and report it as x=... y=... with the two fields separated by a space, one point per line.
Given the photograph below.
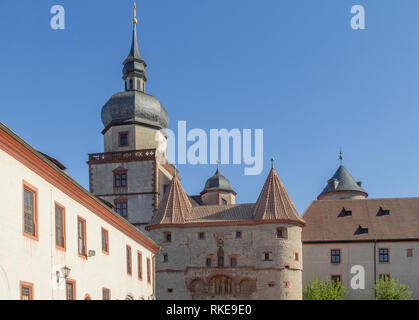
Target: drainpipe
x=375 y=265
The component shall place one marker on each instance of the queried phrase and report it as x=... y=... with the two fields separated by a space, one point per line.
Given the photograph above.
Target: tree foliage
x=324 y=290
x=386 y=289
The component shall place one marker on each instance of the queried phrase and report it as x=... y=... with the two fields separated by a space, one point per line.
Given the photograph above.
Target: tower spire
x=134 y=70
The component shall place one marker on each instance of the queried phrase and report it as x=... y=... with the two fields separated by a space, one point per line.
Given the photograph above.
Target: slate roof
x=218 y=182
x=325 y=221
x=342 y=181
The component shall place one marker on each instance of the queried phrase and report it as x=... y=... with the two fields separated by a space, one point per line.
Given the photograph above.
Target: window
x=70 y=289
x=168 y=236
x=384 y=276
x=59 y=227
x=208 y=262
x=384 y=255
x=281 y=233
x=409 y=253
x=335 y=256
x=121 y=208
x=336 y=278
x=268 y=256
x=129 y=261
x=131 y=84
x=345 y=213
x=30 y=214
x=81 y=236
x=169 y=290
x=383 y=212
x=233 y=262
x=120 y=179
x=165 y=188
x=106 y=294
x=238 y=234
x=296 y=256
x=140 y=265
x=165 y=258
x=26 y=291
x=224 y=202
x=148 y=271
x=286 y=284
x=123 y=139
x=105 y=241
x=201 y=236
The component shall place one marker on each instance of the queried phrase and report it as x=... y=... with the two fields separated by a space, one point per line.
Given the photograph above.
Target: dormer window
x=123 y=139
x=362 y=230
x=383 y=212
x=224 y=202
x=345 y=213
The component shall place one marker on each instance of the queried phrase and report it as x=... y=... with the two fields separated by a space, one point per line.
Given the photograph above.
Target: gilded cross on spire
x=135 y=21
x=340 y=157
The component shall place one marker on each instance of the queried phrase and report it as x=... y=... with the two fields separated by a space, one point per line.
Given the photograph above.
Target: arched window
x=131 y=84
x=220 y=255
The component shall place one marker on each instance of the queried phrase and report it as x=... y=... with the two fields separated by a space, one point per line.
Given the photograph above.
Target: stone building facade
x=228 y=251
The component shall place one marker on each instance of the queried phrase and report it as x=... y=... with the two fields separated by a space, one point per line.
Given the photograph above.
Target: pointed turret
x=274 y=203
x=342 y=186
x=175 y=206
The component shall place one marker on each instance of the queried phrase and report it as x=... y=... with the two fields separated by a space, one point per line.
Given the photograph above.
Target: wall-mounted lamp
x=92 y=253
x=65 y=271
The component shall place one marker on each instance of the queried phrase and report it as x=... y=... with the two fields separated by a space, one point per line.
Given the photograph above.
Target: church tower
x=132 y=172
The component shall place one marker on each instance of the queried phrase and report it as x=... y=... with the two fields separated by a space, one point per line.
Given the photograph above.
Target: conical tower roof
x=175 y=206
x=274 y=203
x=342 y=181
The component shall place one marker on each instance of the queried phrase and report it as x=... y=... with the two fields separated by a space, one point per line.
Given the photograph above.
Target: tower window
x=165 y=258
x=120 y=180
x=121 y=208
x=224 y=202
x=123 y=139
x=208 y=262
x=233 y=262
x=201 y=236
x=281 y=233
x=168 y=236
x=131 y=84
x=268 y=256
x=238 y=234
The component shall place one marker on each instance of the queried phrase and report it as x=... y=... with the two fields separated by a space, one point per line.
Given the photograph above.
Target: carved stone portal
x=221 y=285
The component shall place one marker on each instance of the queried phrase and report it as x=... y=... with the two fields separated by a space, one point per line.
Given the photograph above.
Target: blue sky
x=294 y=68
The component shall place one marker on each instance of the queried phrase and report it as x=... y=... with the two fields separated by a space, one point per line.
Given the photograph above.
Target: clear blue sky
x=294 y=68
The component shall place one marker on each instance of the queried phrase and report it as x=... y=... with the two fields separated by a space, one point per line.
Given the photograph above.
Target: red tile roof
x=326 y=223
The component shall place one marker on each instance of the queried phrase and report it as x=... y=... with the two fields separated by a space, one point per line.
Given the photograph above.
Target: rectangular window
x=336 y=278
x=120 y=180
x=106 y=294
x=233 y=262
x=201 y=235
x=165 y=258
x=140 y=265
x=238 y=234
x=129 y=261
x=123 y=139
x=335 y=256
x=105 y=241
x=208 y=262
x=268 y=256
x=384 y=276
x=81 y=236
x=168 y=236
x=70 y=289
x=384 y=255
x=59 y=227
x=296 y=256
x=121 y=207
x=26 y=291
x=409 y=253
x=148 y=270
x=30 y=214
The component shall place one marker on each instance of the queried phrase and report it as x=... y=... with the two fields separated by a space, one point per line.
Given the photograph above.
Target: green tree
x=386 y=289
x=324 y=290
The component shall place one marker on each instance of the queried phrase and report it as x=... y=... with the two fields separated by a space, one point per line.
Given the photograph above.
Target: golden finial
x=134 y=21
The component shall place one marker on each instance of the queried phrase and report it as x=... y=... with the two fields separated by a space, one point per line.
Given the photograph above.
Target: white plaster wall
x=317 y=264
x=23 y=259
